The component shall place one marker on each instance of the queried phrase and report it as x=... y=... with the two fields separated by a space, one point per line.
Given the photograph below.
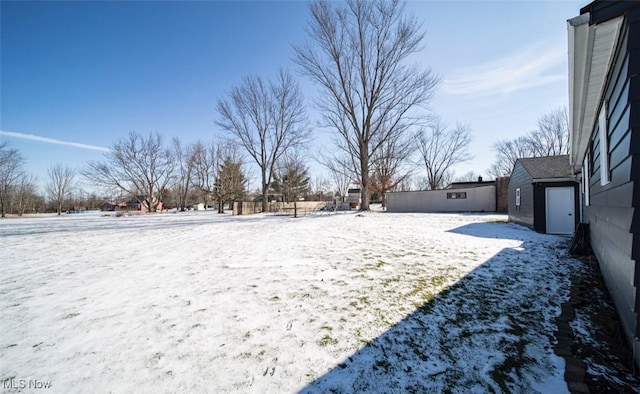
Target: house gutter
x=591 y=51
x=579 y=67
x=553 y=180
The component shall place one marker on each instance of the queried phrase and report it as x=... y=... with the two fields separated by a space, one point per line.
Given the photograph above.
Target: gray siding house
x=542 y=195
x=604 y=105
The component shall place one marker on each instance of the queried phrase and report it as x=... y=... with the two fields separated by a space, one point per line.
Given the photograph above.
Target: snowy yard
x=350 y=302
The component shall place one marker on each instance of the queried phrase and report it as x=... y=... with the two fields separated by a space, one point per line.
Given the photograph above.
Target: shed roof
x=547 y=167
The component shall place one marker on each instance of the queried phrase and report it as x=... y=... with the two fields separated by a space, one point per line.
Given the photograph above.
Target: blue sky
x=87 y=73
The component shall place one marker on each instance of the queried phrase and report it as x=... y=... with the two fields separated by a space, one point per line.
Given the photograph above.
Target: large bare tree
x=357 y=53
x=11 y=169
x=442 y=148
x=141 y=166
x=62 y=181
x=551 y=138
x=267 y=118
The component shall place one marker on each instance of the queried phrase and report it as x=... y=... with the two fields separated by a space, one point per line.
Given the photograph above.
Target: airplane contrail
x=52 y=141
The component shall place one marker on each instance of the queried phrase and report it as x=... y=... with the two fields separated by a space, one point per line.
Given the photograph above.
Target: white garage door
x=560 y=210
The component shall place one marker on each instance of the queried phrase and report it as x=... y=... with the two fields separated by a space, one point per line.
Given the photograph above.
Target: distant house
x=107 y=206
x=501 y=184
x=133 y=205
x=353 y=198
x=604 y=116
x=466 y=185
x=542 y=195
x=139 y=203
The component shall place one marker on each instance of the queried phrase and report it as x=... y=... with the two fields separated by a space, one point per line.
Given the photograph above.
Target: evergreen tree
x=230 y=182
x=292 y=180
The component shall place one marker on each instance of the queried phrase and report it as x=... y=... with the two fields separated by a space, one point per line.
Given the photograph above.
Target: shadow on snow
x=491 y=331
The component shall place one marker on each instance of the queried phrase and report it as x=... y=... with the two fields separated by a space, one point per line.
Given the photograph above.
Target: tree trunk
x=384 y=200
x=265 y=191
x=364 y=177
x=220 y=206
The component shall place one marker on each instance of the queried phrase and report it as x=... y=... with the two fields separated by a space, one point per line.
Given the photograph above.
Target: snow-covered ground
x=200 y=302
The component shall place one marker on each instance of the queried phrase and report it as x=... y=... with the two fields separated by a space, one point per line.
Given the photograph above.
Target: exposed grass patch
x=328 y=340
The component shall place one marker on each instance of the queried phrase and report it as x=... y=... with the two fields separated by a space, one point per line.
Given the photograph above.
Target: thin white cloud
x=52 y=140
x=527 y=68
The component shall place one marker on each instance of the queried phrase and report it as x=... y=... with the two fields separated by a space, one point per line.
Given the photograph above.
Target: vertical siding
x=634 y=124
x=520 y=178
x=612 y=206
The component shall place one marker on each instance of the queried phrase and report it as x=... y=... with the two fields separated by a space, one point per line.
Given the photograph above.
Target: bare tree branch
x=205 y=171
x=184 y=160
x=61 y=184
x=11 y=169
x=340 y=167
x=26 y=193
x=391 y=165
x=550 y=139
x=469 y=176
x=441 y=149
x=139 y=166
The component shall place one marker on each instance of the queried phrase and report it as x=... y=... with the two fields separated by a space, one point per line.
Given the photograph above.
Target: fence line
x=298 y=208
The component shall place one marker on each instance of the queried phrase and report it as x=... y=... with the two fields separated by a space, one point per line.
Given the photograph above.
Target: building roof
x=547 y=167
x=468 y=185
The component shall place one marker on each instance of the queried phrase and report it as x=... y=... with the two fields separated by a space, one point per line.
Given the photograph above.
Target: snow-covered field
x=200 y=302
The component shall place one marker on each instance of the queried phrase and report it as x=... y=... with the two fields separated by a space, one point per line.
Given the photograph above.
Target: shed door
x=560 y=210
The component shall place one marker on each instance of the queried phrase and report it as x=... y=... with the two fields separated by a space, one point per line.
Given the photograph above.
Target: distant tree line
x=153 y=171
x=20 y=193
